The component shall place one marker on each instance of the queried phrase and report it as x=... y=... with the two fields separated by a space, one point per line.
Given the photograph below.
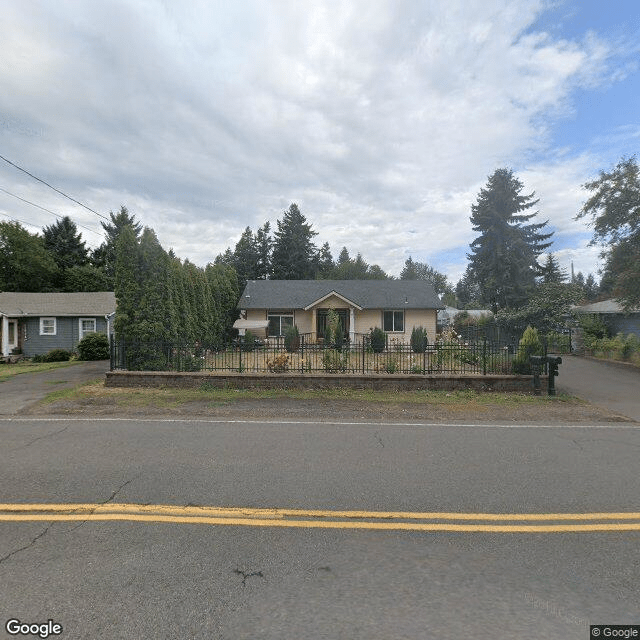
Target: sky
x=381 y=119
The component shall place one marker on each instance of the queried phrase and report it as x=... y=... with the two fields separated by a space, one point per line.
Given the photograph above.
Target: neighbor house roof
x=365 y=294
x=94 y=303
x=606 y=306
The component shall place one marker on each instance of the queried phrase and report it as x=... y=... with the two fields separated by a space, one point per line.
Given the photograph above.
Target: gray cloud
x=382 y=119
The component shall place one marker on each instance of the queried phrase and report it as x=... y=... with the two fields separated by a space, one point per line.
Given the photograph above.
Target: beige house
x=268 y=307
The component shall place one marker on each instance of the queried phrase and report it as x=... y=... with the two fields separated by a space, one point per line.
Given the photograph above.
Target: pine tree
x=105 y=255
x=420 y=271
x=504 y=256
x=264 y=245
x=65 y=244
x=550 y=272
x=246 y=256
x=293 y=249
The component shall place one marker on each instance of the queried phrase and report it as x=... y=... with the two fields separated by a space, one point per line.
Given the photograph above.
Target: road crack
x=47 y=435
x=28 y=546
x=253 y=574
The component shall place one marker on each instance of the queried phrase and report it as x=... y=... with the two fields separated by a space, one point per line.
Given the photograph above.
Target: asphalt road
x=179 y=579
x=612 y=385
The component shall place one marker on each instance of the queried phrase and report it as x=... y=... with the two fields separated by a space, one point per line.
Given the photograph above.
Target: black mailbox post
x=537 y=363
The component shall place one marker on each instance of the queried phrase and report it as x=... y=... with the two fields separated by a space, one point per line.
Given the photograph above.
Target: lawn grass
x=170 y=397
x=8 y=371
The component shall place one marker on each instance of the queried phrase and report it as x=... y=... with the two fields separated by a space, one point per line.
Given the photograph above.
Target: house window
x=393 y=321
x=48 y=326
x=87 y=325
x=278 y=322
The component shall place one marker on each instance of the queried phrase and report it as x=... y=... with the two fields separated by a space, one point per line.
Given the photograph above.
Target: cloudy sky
x=382 y=119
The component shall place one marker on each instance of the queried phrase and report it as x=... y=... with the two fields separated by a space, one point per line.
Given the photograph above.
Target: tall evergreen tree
x=246 y=256
x=550 y=272
x=25 y=263
x=264 y=246
x=504 y=255
x=293 y=248
x=325 y=264
x=65 y=244
x=105 y=255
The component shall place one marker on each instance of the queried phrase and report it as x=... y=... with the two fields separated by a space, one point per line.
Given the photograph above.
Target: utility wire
x=35 y=226
x=33 y=204
x=13 y=164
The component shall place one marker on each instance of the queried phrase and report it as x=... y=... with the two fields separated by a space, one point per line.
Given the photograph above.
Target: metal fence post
x=484 y=356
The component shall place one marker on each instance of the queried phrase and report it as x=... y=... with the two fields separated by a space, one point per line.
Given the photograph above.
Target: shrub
x=292 y=339
x=333 y=361
x=55 y=355
x=419 y=341
x=378 y=340
x=529 y=345
x=391 y=366
x=279 y=364
x=94 y=346
x=248 y=341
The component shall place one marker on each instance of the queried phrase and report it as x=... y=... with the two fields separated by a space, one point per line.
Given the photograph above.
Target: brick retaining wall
x=321 y=381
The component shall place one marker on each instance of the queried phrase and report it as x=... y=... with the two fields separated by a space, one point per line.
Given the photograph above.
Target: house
x=615 y=318
x=396 y=306
x=35 y=323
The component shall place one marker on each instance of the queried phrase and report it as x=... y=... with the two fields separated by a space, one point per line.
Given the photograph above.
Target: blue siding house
x=34 y=323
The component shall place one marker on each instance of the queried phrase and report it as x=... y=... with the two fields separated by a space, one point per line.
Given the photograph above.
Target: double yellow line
x=320 y=519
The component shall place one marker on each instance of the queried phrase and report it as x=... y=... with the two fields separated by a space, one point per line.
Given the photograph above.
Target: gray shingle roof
x=606 y=306
x=367 y=294
x=99 y=303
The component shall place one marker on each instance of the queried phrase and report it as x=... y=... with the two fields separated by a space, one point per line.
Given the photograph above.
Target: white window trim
x=48 y=333
x=82 y=333
x=280 y=314
x=394 y=330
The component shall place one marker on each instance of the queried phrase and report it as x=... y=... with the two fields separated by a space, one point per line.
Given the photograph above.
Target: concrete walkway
x=615 y=386
x=22 y=390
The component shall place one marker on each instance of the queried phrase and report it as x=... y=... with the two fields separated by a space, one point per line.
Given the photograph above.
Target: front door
x=12 y=335
x=321 y=321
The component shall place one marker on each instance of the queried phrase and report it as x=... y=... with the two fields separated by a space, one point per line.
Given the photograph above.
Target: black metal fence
x=306 y=357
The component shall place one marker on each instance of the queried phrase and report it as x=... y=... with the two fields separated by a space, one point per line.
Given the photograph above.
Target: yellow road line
x=385 y=520
x=320 y=524
x=311 y=513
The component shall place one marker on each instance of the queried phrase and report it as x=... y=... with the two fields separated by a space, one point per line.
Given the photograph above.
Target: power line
x=35 y=226
x=33 y=204
x=13 y=164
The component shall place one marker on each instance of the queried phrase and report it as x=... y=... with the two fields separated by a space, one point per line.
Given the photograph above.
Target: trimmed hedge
x=94 y=346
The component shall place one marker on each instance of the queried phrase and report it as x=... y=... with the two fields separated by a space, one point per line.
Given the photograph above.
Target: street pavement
x=178 y=579
x=20 y=391
x=612 y=385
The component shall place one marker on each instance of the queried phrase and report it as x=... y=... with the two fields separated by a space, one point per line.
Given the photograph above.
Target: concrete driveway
x=24 y=389
x=615 y=386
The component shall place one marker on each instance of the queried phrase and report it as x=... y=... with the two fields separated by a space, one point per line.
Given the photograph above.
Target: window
x=393 y=320
x=48 y=326
x=87 y=325
x=278 y=322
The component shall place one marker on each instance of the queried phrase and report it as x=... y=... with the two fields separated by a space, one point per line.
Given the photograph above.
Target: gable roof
x=366 y=294
x=85 y=303
x=605 y=306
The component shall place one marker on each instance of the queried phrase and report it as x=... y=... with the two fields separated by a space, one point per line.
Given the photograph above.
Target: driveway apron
x=19 y=392
x=615 y=386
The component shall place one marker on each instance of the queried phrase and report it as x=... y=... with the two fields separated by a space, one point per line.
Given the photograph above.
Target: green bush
x=94 y=346
x=378 y=340
x=248 y=341
x=292 y=339
x=419 y=341
x=529 y=345
x=334 y=362
x=55 y=355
